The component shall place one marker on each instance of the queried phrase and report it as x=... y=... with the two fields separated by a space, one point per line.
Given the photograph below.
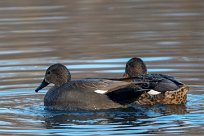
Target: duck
x=86 y=94
x=166 y=89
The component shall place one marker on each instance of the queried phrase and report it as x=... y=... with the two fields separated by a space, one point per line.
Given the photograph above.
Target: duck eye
x=48 y=72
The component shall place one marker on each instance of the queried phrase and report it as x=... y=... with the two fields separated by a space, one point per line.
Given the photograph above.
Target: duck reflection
x=133 y=116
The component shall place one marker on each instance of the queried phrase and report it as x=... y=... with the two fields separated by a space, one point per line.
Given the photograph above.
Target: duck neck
x=63 y=79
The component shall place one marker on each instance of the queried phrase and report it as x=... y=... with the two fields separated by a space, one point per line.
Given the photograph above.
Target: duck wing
x=171 y=78
x=158 y=82
x=126 y=94
x=118 y=91
x=92 y=85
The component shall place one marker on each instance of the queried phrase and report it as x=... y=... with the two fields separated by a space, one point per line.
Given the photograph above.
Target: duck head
x=135 y=67
x=57 y=74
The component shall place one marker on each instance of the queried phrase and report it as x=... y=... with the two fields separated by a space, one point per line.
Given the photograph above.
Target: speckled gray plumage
x=79 y=94
x=82 y=94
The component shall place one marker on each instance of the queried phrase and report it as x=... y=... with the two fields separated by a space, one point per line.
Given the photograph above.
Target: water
x=95 y=38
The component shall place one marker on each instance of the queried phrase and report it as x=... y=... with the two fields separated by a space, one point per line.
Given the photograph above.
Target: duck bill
x=42 y=85
x=125 y=75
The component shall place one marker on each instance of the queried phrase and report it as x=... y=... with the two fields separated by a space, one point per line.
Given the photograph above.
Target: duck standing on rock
x=166 y=88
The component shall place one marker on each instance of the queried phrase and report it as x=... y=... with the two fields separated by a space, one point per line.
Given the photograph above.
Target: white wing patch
x=153 y=92
x=101 y=91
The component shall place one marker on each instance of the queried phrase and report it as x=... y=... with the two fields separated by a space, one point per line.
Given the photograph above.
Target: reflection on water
x=95 y=38
x=132 y=116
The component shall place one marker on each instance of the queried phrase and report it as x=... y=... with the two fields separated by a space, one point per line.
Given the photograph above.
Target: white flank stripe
x=101 y=91
x=153 y=92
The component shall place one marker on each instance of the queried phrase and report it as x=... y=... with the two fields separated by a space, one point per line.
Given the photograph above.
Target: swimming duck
x=88 y=94
x=166 y=88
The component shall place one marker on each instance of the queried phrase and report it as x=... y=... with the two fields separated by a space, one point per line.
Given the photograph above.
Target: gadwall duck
x=166 y=88
x=89 y=94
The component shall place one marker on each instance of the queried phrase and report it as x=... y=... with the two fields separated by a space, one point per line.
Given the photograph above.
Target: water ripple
x=96 y=39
